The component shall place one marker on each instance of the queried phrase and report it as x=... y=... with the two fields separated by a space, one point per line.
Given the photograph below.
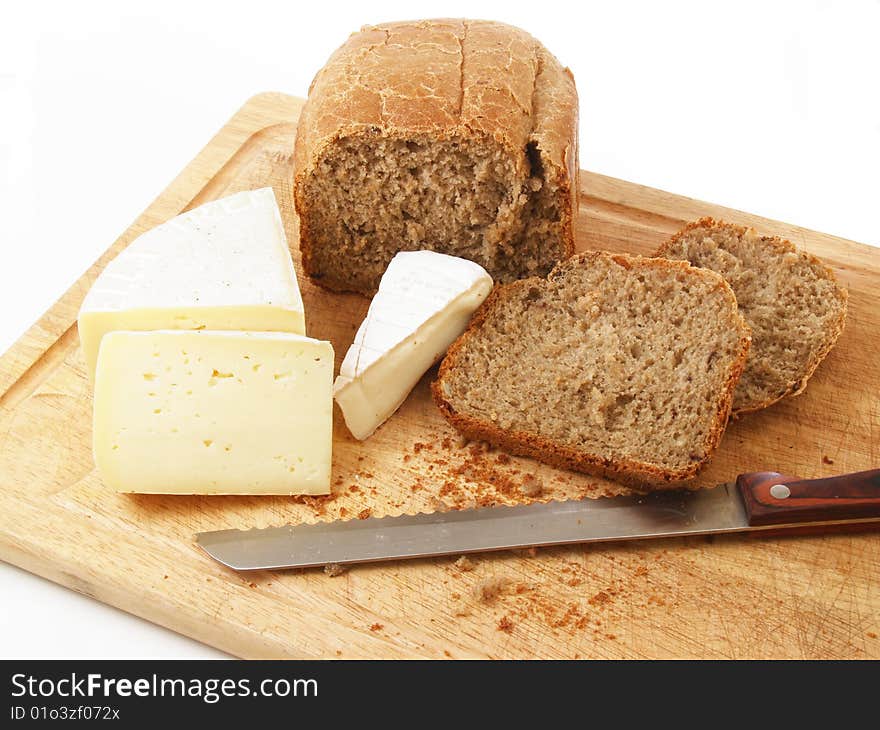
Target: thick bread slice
x=615 y=365
x=790 y=300
x=455 y=136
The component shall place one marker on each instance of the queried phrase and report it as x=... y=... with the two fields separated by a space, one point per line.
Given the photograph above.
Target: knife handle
x=774 y=499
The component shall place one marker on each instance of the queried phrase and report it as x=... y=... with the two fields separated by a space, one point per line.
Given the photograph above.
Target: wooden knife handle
x=774 y=499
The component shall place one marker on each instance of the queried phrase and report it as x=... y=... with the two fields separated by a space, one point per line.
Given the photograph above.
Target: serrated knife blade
x=476 y=530
x=757 y=501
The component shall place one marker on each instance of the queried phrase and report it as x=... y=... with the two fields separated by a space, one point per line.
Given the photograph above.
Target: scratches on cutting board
x=727 y=597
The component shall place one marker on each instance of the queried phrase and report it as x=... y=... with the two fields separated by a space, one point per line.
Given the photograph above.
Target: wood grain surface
x=726 y=597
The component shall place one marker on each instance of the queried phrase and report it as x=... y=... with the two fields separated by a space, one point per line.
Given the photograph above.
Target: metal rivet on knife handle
x=780 y=491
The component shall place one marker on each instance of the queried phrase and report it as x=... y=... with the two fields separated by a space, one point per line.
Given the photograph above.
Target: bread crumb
x=531 y=486
x=331 y=570
x=529 y=552
x=318 y=505
x=447 y=654
x=464 y=564
x=438 y=505
x=827 y=460
x=871 y=635
x=377 y=627
x=459 y=606
x=488 y=590
x=505 y=625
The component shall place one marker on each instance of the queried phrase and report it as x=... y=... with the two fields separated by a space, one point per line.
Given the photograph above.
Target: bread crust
x=636 y=474
x=782 y=246
x=487 y=80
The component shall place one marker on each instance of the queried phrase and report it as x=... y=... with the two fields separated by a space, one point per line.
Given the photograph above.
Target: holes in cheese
x=214 y=427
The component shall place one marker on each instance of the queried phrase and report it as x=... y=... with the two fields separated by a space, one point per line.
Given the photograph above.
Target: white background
x=769 y=107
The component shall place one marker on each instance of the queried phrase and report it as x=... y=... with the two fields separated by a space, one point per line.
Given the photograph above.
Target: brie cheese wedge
x=424 y=302
x=222 y=266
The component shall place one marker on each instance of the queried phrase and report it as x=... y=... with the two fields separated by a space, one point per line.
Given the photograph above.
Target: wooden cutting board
x=696 y=597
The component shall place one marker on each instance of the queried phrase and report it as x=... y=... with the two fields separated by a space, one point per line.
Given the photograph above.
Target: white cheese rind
x=178 y=412
x=224 y=266
x=424 y=302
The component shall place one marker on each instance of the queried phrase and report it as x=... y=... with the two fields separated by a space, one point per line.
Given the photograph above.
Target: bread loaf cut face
x=615 y=365
x=790 y=300
x=455 y=136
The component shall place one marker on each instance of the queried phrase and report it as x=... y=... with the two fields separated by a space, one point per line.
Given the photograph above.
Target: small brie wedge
x=222 y=266
x=425 y=301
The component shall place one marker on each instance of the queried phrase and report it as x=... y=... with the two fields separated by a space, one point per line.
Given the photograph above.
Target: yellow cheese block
x=209 y=412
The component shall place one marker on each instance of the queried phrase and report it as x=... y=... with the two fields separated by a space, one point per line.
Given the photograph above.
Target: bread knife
x=760 y=501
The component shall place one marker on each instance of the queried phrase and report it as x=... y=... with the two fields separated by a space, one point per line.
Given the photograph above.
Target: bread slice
x=790 y=300
x=456 y=136
x=615 y=365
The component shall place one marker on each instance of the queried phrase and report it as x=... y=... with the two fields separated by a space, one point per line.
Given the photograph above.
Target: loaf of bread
x=790 y=300
x=615 y=365
x=456 y=136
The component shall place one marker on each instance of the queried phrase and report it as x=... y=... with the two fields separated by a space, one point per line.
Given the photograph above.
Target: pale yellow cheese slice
x=208 y=412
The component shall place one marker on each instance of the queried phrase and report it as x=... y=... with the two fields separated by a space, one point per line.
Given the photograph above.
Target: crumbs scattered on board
x=317 y=504
x=449 y=472
x=509 y=598
x=466 y=474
